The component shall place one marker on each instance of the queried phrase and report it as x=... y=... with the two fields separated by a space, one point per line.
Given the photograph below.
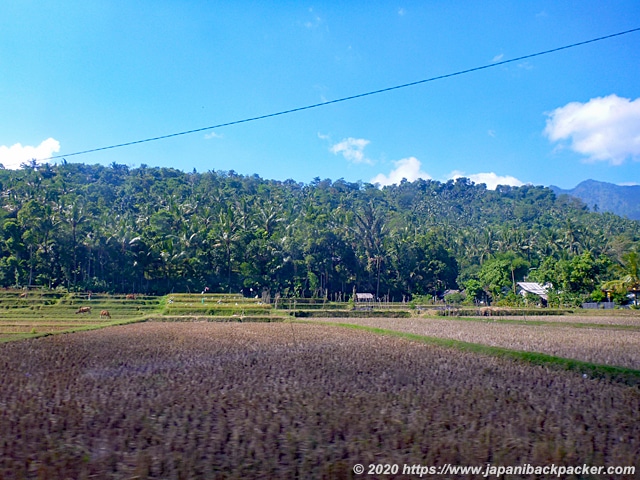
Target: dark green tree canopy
x=159 y=230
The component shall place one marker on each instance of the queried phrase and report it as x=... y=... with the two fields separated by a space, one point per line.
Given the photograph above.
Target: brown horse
x=105 y=314
x=130 y=296
x=84 y=310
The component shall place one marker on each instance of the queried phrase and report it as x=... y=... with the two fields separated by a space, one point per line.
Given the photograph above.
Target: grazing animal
x=84 y=310
x=130 y=296
x=105 y=314
x=23 y=295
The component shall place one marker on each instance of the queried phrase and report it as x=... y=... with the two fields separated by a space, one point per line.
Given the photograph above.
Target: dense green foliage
x=158 y=230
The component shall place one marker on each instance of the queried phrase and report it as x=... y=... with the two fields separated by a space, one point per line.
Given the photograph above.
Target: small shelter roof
x=533 y=287
x=364 y=296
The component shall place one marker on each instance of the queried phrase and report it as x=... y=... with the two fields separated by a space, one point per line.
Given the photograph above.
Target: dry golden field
x=223 y=400
x=629 y=320
x=607 y=346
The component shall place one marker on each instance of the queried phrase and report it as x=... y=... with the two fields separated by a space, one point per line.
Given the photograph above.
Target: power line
x=352 y=97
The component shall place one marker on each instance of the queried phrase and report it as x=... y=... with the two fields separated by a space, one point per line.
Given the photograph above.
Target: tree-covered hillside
x=159 y=230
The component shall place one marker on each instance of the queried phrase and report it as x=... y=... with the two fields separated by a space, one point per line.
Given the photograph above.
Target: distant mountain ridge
x=607 y=197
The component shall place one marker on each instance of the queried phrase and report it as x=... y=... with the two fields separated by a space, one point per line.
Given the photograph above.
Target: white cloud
x=408 y=168
x=402 y=12
x=14 y=156
x=497 y=58
x=352 y=149
x=490 y=179
x=603 y=129
x=211 y=135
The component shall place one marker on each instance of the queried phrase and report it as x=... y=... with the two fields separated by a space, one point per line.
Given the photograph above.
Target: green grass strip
x=628 y=376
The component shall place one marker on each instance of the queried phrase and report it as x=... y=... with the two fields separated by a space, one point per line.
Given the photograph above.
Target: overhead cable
x=351 y=97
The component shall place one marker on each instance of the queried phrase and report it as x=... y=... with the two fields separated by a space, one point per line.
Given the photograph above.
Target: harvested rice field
x=223 y=400
x=608 y=346
x=630 y=320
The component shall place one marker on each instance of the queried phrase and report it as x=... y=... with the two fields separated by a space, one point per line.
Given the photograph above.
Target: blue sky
x=78 y=75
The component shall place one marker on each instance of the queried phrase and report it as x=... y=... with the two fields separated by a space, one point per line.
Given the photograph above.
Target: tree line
x=161 y=230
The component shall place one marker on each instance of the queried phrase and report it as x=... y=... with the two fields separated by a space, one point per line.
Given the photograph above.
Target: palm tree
x=629 y=281
x=269 y=215
x=487 y=245
x=226 y=236
x=74 y=216
x=571 y=238
x=528 y=244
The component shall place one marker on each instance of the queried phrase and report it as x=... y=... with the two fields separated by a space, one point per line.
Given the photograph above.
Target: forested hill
x=623 y=200
x=160 y=230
